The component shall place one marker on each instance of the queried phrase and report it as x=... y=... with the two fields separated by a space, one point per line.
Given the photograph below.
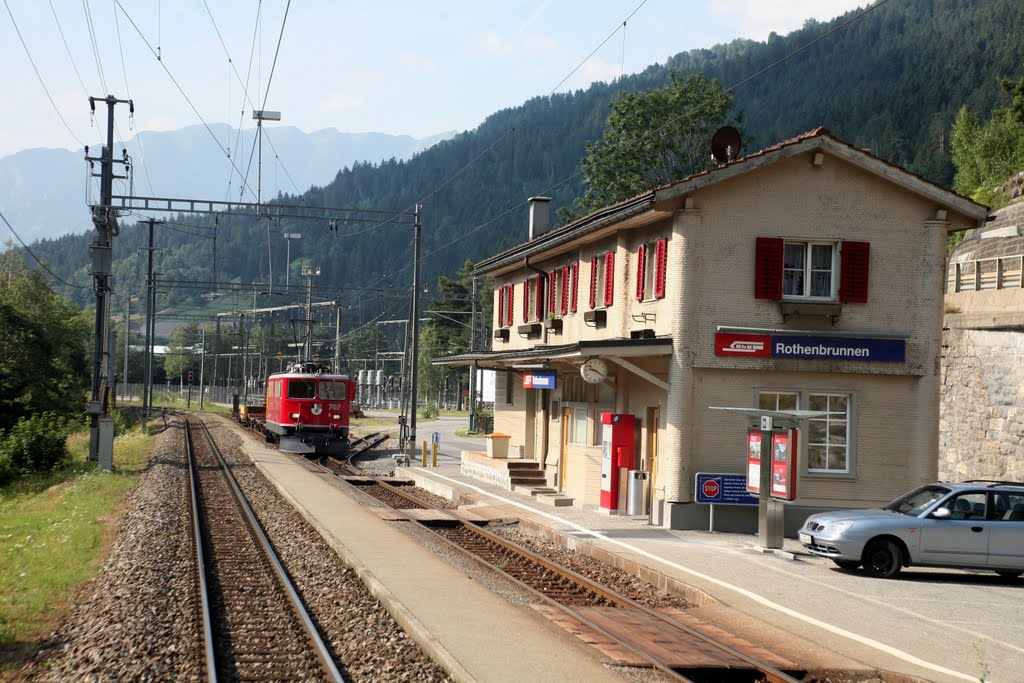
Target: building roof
x=647 y=202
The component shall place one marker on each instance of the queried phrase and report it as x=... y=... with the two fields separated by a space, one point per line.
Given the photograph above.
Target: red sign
x=746 y=345
x=527 y=380
x=754 y=461
x=710 y=488
x=784 y=457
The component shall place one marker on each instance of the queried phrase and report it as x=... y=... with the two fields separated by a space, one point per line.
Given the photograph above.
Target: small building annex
x=806 y=276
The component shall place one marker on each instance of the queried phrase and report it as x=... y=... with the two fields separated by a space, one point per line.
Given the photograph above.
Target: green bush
x=7 y=470
x=35 y=444
x=429 y=411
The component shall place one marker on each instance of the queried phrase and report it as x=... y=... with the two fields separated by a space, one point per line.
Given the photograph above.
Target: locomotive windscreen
x=301 y=388
x=332 y=391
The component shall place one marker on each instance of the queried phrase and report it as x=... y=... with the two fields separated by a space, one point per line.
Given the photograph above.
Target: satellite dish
x=725 y=144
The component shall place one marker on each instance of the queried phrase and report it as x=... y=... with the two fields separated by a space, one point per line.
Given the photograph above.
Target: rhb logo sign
x=749 y=345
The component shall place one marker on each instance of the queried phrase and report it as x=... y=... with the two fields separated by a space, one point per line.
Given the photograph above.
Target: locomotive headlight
x=294 y=416
x=335 y=417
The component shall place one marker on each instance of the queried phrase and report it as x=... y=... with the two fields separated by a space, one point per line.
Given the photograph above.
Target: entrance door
x=650 y=459
x=563 y=458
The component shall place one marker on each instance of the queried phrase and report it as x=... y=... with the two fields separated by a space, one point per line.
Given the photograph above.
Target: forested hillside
x=892 y=82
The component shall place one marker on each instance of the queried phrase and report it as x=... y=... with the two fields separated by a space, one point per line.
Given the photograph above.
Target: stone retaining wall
x=981 y=426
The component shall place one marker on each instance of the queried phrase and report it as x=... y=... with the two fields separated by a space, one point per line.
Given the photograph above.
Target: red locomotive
x=308 y=409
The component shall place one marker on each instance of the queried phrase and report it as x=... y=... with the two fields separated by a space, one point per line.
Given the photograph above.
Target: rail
x=313 y=637
x=997 y=272
x=394 y=497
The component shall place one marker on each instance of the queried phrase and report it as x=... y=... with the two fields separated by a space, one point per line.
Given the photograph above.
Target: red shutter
x=501 y=307
x=641 y=267
x=526 y=301
x=575 y=285
x=609 y=278
x=509 y=304
x=660 y=254
x=853 y=272
x=593 y=282
x=768 y=268
x=538 y=302
x=552 y=284
x=565 y=290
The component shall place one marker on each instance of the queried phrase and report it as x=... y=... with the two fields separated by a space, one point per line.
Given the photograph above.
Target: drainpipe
x=544 y=338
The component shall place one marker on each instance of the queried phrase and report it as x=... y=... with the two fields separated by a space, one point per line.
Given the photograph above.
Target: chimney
x=540 y=216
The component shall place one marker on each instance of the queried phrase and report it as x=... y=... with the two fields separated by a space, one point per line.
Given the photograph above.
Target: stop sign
x=710 y=488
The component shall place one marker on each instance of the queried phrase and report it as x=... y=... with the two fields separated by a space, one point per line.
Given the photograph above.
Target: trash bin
x=636 y=493
x=497 y=445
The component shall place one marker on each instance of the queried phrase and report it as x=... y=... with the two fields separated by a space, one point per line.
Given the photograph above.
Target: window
x=574 y=389
x=509 y=388
x=333 y=391
x=650 y=275
x=533 y=299
x=808 y=270
x=505 y=305
x=966 y=506
x=827 y=439
x=817 y=270
x=301 y=388
x=602 y=280
x=578 y=432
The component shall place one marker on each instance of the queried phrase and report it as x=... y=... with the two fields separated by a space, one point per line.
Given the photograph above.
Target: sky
x=399 y=67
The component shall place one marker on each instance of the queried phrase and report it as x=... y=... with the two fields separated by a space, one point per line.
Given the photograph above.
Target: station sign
x=539 y=379
x=811 y=348
x=723 y=489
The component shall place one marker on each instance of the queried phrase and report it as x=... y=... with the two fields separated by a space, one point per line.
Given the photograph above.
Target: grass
x=55 y=530
x=465 y=433
x=178 y=404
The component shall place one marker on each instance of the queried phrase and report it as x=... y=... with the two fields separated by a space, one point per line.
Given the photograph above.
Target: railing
x=1001 y=272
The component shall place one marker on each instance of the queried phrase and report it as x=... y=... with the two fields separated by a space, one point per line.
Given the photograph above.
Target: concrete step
x=529 y=482
x=522 y=464
x=556 y=500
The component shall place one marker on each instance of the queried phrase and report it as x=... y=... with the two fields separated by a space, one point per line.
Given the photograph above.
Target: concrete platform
x=473 y=633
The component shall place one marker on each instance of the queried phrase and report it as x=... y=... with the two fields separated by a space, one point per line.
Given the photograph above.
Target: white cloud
x=755 y=19
x=535 y=14
x=342 y=102
x=599 y=70
x=491 y=43
x=417 y=63
x=157 y=123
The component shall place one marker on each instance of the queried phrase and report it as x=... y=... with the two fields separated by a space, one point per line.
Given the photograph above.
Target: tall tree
x=652 y=138
x=44 y=346
x=986 y=155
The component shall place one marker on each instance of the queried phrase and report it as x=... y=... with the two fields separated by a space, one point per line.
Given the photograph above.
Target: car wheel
x=882 y=558
x=1009 y=574
x=847 y=564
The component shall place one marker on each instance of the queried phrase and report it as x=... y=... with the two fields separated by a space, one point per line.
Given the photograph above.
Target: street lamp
x=261 y=115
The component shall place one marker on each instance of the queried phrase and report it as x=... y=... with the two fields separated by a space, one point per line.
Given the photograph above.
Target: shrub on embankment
x=35 y=444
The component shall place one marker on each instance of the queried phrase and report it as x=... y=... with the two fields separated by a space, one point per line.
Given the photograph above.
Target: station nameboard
x=539 y=379
x=813 y=348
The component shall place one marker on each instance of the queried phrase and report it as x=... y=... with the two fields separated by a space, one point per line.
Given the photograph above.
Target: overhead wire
x=36 y=258
x=128 y=91
x=95 y=45
x=39 y=76
x=174 y=80
x=686 y=113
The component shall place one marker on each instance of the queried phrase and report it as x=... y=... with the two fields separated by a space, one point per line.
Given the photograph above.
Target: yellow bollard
x=435 y=455
x=424 y=453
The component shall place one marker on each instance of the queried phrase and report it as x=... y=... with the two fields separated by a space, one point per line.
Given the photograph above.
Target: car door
x=963 y=537
x=1006 y=538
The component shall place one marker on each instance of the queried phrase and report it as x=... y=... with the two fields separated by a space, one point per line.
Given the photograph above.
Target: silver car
x=973 y=525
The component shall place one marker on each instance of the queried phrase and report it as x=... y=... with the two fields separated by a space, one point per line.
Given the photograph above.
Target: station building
x=805 y=276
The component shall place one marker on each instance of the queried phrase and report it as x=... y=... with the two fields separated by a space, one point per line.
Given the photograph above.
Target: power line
x=687 y=113
x=36 y=258
x=175 y=81
x=38 y=76
x=60 y=30
x=95 y=46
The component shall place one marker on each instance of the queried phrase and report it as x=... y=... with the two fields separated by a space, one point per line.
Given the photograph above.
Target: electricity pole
x=147 y=389
x=415 y=323
x=101 y=436
x=309 y=272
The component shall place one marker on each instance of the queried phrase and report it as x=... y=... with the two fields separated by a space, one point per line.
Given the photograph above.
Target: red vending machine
x=618 y=434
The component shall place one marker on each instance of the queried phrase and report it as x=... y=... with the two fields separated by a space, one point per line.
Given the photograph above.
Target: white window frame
x=803 y=401
x=531 y=299
x=808 y=248
x=599 y=281
x=650 y=270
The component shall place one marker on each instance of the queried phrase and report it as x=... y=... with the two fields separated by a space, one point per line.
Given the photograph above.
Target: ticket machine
x=618 y=436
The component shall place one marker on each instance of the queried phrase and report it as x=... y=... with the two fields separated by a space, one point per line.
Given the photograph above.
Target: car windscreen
x=917 y=501
x=332 y=391
x=301 y=388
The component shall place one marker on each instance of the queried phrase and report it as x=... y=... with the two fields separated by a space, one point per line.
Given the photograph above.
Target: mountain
x=890 y=81
x=42 y=191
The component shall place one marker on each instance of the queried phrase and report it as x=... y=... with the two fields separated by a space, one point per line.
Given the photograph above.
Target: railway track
x=604 y=611
x=255 y=626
